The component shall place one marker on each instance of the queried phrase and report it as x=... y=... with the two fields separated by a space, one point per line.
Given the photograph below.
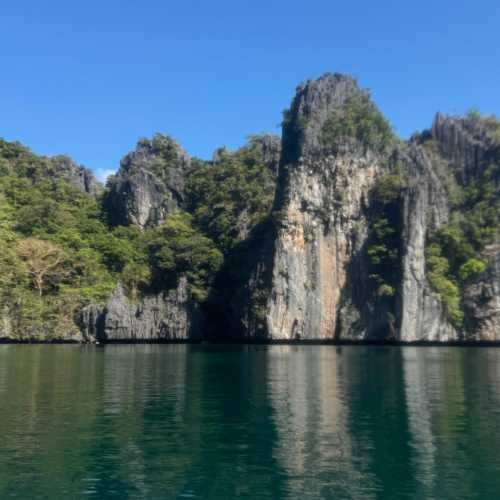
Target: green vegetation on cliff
x=359 y=119
x=232 y=195
x=58 y=252
x=50 y=257
x=384 y=241
x=177 y=248
x=454 y=250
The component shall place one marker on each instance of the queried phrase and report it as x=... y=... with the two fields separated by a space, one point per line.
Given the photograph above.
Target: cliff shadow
x=236 y=307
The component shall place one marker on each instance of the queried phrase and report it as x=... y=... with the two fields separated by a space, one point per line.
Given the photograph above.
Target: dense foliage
x=177 y=248
x=50 y=256
x=359 y=119
x=164 y=151
x=489 y=123
x=58 y=253
x=233 y=194
x=384 y=242
x=454 y=251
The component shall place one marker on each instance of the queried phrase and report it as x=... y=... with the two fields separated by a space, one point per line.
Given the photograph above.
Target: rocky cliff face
x=149 y=184
x=321 y=198
x=166 y=316
x=316 y=278
x=78 y=176
x=306 y=271
x=148 y=187
x=468 y=151
x=424 y=206
x=463 y=143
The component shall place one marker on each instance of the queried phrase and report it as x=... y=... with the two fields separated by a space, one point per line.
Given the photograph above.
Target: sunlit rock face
x=424 y=206
x=321 y=199
x=150 y=183
x=316 y=277
x=170 y=315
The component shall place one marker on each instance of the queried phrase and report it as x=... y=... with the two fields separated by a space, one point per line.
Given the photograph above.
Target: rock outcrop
x=149 y=184
x=321 y=199
x=78 y=176
x=482 y=299
x=270 y=147
x=169 y=315
x=315 y=279
x=463 y=142
x=424 y=207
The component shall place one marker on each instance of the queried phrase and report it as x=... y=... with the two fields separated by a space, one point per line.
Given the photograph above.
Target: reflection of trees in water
x=157 y=421
x=194 y=423
x=50 y=395
x=144 y=396
x=454 y=426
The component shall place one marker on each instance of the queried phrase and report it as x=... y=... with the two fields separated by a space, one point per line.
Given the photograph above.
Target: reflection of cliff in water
x=417 y=372
x=315 y=448
x=170 y=421
x=449 y=391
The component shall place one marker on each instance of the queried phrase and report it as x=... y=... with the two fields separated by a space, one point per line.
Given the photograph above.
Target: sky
x=89 y=78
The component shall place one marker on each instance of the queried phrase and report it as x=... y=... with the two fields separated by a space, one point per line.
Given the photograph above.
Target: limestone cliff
x=322 y=199
x=351 y=234
x=149 y=184
x=316 y=279
x=170 y=315
x=78 y=176
x=148 y=187
x=424 y=207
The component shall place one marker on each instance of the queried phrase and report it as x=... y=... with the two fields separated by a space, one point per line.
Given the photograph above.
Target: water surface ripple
x=226 y=422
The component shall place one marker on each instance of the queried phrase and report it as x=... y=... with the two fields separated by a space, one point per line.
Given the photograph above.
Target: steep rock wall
x=170 y=315
x=78 y=176
x=149 y=184
x=322 y=229
x=424 y=207
x=321 y=198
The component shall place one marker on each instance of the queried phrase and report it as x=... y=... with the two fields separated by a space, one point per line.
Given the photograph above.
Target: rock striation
x=321 y=200
x=463 y=142
x=306 y=271
x=315 y=278
x=424 y=206
x=170 y=315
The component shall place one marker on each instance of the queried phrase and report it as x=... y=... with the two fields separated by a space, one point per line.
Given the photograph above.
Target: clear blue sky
x=88 y=78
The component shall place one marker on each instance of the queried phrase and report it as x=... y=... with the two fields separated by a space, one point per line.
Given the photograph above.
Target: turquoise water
x=224 y=422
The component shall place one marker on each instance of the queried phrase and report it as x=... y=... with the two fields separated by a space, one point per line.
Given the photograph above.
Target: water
x=226 y=422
